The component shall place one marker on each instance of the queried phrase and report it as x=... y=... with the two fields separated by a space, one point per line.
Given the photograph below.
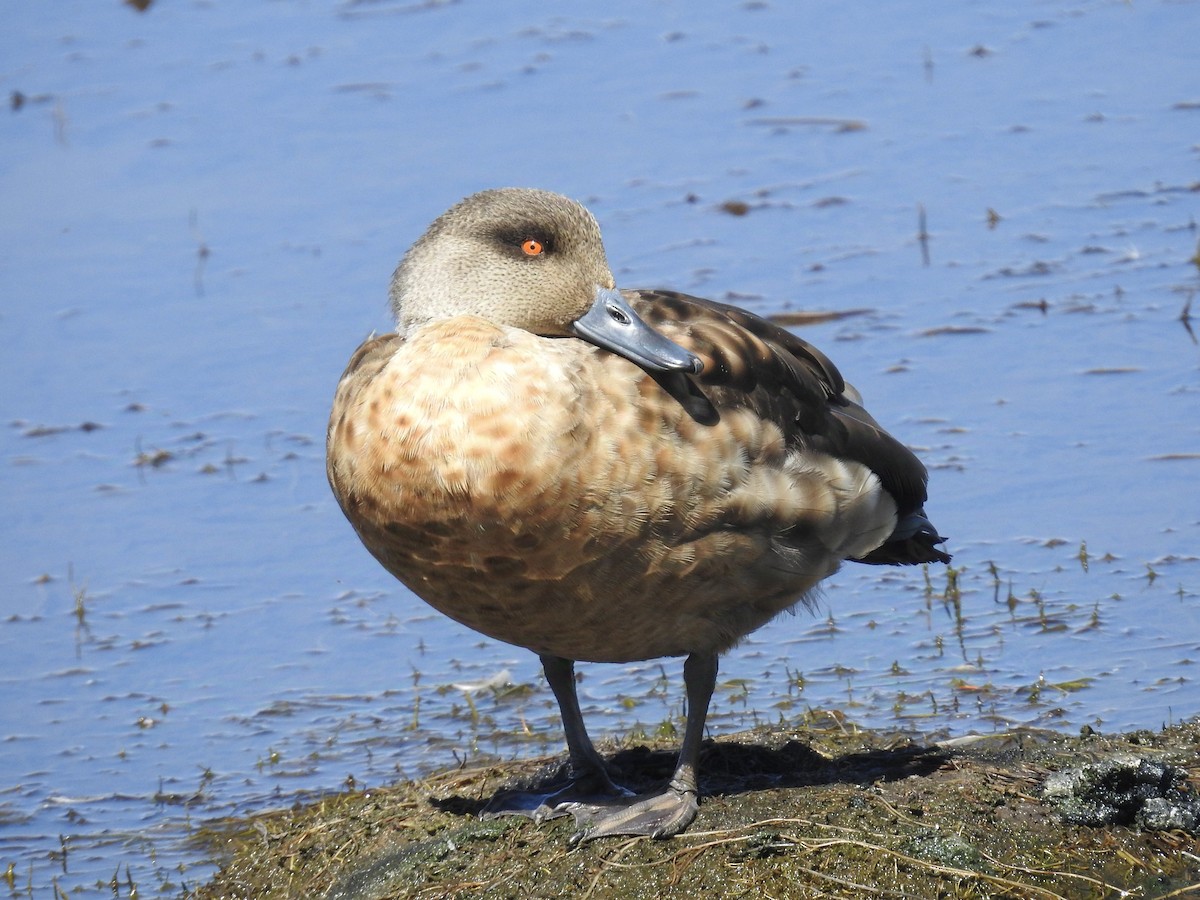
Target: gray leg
x=588 y=777
x=699 y=678
x=560 y=673
x=669 y=812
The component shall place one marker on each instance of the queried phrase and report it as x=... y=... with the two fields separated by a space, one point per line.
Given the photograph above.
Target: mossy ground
x=827 y=811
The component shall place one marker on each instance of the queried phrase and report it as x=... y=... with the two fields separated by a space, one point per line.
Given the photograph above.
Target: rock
x=1125 y=790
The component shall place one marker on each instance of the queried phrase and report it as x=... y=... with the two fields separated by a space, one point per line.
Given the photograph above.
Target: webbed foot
x=593 y=788
x=659 y=816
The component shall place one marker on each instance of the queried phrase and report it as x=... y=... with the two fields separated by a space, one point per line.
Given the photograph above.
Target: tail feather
x=913 y=541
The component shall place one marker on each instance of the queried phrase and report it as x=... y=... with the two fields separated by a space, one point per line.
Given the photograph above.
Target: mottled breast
x=552 y=495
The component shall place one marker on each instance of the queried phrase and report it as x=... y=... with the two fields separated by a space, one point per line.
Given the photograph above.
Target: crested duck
x=602 y=475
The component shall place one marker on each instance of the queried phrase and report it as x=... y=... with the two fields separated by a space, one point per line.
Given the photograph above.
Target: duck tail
x=913 y=541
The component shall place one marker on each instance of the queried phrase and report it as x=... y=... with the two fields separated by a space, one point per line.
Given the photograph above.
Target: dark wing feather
x=752 y=363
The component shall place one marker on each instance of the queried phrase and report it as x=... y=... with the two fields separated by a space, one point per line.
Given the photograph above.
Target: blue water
x=200 y=207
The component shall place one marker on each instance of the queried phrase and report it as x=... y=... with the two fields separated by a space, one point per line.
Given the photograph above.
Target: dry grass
x=829 y=812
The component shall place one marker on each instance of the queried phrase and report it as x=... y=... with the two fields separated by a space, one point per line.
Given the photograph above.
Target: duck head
x=527 y=259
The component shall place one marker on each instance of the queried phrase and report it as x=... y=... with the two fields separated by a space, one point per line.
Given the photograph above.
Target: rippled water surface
x=202 y=203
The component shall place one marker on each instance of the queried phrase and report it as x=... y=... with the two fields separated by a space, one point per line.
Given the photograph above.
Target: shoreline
x=826 y=809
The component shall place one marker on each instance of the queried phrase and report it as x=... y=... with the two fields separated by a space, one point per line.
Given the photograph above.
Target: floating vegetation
x=38 y=431
x=954 y=330
x=839 y=126
x=817 y=318
x=154 y=459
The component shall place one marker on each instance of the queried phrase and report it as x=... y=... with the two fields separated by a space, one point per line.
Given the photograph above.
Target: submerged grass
x=826 y=811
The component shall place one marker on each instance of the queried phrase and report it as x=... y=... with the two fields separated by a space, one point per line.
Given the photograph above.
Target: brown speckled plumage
x=554 y=495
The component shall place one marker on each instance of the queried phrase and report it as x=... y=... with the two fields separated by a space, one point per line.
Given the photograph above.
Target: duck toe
x=659 y=816
x=591 y=789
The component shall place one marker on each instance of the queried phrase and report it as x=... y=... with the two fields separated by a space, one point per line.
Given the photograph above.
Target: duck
x=604 y=476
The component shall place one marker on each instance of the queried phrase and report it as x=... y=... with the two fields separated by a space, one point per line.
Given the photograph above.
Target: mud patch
x=829 y=810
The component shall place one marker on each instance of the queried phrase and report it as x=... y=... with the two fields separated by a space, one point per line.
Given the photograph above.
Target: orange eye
x=533 y=247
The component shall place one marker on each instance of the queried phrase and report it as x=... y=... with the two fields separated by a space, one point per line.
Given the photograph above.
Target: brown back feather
x=752 y=363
